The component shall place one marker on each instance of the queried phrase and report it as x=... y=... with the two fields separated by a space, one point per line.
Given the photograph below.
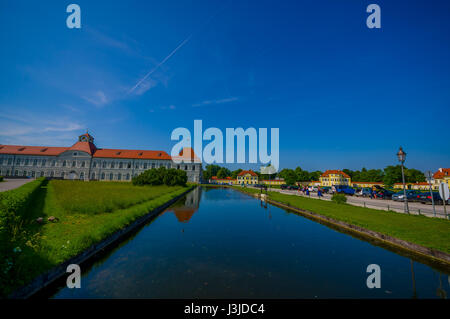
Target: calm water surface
x=219 y=243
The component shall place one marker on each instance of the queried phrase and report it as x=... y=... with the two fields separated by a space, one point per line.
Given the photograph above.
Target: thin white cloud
x=98 y=98
x=213 y=102
x=32 y=129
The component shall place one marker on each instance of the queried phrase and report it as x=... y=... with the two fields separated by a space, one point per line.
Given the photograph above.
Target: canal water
x=220 y=243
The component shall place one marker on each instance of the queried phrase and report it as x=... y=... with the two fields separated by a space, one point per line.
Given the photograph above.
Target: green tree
x=235 y=173
x=288 y=175
x=223 y=172
x=414 y=175
x=392 y=175
x=210 y=171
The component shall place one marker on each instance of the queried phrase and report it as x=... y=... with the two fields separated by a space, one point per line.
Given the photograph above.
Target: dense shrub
x=339 y=198
x=14 y=206
x=159 y=176
x=1 y=178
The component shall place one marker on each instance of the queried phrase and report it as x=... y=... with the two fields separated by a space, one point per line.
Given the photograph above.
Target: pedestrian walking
x=319 y=192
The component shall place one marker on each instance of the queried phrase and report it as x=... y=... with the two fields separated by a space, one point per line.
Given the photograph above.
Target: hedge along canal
x=219 y=243
x=430 y=256
x=58 y=273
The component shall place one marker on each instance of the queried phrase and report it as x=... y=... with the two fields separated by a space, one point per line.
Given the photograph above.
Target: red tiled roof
x=441 y=173
x=334 y=171
x=84 y=147
x=247 y=172
x=131 y=154
x=32 y=150
x=87 y=147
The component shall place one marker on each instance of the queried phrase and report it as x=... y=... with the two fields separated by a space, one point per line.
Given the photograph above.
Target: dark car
x=344 y=189
x=410 y=194
x=284 y=186
x=292 y=187
x=425 y=198
x=384 y=194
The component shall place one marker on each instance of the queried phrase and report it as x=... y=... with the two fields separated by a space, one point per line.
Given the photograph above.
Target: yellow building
x=441 y=176
x=367 y=184
x=424 y=186
x=334 y=177
x=273 y=182
x=247 y=177
x=223 y=181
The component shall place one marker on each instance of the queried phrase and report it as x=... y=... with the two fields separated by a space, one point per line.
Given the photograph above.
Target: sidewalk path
x=8 y=184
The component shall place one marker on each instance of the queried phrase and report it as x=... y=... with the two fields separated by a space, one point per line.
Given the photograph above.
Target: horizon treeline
x=389 y=175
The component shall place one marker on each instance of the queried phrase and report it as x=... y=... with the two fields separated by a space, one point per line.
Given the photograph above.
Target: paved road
x=384 y=204
x=8 y=184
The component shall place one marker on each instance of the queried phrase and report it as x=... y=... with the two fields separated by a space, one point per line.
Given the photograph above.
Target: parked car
x=425 y=198
x=363 y=192
x=410 y=194
x=284 y=186
x=344 y=189
x=292 y=187
x=384 y=193
x=313 y=188
x=326 y=189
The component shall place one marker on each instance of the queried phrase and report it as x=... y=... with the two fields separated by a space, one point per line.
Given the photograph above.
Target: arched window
x=81 y=175
x=62 y=175
x=43 y=162
x=128 y=176
x=94 y=165
x=119 y=176
x=42 y=174
x=52 y=173
x=103 y=175
x=111 y=176
x=83 y=164
x=120 y=165
x=33 y=174
x=73 y=164
x=93 y=176
x=104 y=164
x=112 y=164
x=64 y=164
x=24 y=173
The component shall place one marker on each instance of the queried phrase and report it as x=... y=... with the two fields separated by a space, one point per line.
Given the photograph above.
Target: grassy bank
x=425 y=231
x=86 y=213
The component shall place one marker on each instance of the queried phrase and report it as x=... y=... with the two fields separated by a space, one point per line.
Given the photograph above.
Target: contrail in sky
x=160 y=63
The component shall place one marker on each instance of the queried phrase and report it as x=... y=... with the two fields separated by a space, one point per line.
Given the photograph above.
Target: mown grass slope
x=86 y=213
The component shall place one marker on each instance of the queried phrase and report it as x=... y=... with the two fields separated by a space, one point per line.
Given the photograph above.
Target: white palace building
x=84 y=161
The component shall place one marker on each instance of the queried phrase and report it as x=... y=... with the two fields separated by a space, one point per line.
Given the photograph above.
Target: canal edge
x=433 y=255
x=44 y=280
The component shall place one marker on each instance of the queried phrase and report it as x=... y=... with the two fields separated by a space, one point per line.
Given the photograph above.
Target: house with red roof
x=247 y=178
x=85 y=161
x=334 y=177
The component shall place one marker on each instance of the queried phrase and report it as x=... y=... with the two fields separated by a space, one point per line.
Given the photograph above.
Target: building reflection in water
x=185 y=208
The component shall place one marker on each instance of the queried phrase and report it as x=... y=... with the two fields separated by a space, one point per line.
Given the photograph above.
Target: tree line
x=389 y=175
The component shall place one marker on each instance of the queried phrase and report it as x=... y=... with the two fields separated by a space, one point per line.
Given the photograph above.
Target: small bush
x=160 y=176
x=339 y=198
x=1 y=178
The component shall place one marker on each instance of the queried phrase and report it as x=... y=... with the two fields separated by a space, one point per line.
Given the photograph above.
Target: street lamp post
x=402 y=157
x=429 y=177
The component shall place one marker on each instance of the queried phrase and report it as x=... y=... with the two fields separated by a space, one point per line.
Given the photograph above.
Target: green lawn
x=87 y=212
x=425 y=231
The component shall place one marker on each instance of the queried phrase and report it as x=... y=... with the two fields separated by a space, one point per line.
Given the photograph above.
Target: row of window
x=103 y=176
x=82 y=164
x=334 y=179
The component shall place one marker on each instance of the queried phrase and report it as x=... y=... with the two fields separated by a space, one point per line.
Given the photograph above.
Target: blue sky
x=343 y=95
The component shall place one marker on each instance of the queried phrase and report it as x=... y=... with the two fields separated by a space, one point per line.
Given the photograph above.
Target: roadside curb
x=44 y=280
